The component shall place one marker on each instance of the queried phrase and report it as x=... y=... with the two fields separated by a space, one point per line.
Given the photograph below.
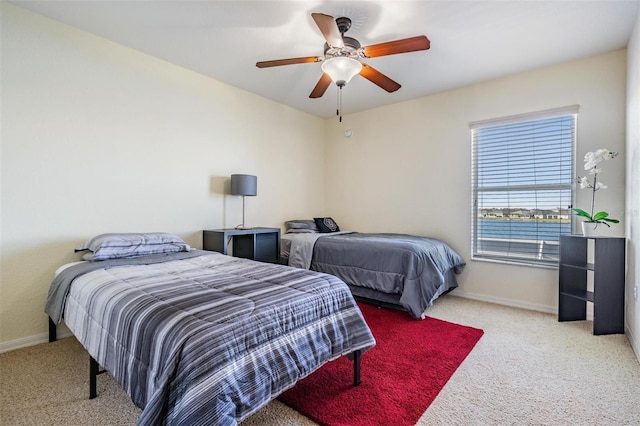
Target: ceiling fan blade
x=405 y=45
x=321 y=86
x=329 y=29
x=376 y=77
x=290 y=61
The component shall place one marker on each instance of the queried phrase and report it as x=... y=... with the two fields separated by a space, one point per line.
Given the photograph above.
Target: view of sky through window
x=526 y=165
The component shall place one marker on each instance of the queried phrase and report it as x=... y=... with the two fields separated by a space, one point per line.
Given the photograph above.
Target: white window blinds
x=522 y=172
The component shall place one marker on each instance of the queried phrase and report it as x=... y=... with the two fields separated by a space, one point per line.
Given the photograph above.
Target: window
x=522 y=172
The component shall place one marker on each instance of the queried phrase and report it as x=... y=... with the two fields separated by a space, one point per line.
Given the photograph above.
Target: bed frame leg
x=93 y=374
x=356 y=367
x=52 y=331
x=94 y=370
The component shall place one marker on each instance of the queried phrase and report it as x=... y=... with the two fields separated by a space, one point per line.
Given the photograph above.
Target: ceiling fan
x=341 y=60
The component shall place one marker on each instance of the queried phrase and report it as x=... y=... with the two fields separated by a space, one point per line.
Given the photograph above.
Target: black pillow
x=326 y=224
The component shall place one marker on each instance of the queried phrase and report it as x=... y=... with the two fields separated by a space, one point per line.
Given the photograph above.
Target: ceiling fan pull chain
x=340 y=103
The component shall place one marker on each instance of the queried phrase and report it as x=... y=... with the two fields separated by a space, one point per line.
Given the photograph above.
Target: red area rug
x=401 y=375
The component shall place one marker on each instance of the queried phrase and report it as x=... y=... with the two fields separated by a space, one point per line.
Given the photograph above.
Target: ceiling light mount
x=343 y=24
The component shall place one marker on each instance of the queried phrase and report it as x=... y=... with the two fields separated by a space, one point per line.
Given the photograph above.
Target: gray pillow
x=306 y=225
x=122 y=245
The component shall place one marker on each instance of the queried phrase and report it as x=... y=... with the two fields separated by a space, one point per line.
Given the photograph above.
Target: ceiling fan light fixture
x=341 y=69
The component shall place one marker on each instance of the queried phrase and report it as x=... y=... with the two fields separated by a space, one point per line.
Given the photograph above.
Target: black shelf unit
x=262 y=244
x=608 y=269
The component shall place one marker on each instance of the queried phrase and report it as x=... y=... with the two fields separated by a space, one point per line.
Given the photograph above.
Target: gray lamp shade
x=244 y=185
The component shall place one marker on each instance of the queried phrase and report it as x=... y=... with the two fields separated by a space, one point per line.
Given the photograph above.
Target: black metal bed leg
x=356 y=367
x=52 y=331
x=94 y=368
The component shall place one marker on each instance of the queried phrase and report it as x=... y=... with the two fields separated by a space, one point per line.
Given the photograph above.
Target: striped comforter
x=210 y=339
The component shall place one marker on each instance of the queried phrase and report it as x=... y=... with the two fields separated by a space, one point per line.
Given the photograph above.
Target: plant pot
x=590 y=229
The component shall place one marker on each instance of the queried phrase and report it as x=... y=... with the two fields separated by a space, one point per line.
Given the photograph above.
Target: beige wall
x=100 y=138
x=632 y=313
x=87 y=124
x=407 y=167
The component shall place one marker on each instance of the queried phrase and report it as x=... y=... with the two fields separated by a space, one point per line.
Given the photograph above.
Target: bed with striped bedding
x=204 y=338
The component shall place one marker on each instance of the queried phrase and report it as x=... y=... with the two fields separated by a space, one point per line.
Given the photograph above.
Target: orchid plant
x=591 y=161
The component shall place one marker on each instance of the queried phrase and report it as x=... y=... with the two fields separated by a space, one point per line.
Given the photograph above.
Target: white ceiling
x=471 y=41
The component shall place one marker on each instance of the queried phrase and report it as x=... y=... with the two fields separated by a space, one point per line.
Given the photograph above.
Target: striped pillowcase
x=122 y=245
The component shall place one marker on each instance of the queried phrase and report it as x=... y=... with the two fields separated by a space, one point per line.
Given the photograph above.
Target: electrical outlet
x=635 y=293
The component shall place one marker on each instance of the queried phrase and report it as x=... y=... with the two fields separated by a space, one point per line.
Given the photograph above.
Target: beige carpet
x=527 y=369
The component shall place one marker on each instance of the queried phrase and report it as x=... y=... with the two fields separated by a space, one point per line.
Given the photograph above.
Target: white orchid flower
x=584 y=183
x=594 y=171
x=590 y=165
x=602 y=153
x=600 y=185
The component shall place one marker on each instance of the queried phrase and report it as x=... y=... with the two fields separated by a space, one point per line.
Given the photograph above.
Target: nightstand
x=262 y=244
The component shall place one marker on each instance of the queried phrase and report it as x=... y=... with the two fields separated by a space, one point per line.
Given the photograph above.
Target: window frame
x=476 y=190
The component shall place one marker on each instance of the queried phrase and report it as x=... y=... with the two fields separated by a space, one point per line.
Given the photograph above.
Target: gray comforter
x=416 y=269
x=206 y=338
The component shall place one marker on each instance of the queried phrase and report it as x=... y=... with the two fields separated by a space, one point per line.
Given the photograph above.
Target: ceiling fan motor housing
x=351 y=49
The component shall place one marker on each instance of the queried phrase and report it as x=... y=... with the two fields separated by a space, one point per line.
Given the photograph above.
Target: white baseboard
x=634 y=345
x=506 y=302
x=32 y=340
